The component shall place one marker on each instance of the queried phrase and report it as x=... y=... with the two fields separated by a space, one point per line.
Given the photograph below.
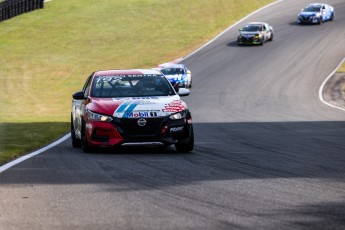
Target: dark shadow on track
x=223 y=151
x=233 y=44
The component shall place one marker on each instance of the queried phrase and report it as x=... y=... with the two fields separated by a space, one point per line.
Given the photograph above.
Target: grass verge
x=342 y=68
x=46 y=55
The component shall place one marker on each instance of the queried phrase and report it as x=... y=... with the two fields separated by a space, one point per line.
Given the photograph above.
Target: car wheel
x=332 y=17
x=84 y=142
x=186 y=147
x=75 y=140
x=271 y=38
x=320 y=21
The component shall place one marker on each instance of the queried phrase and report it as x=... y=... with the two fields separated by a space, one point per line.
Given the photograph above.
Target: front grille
x=305 y=18
x=132 y=129
x=247 y=38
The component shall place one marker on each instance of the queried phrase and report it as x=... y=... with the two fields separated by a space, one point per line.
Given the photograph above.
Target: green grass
x=28 y=136
x=47 y=54
x=342 y=68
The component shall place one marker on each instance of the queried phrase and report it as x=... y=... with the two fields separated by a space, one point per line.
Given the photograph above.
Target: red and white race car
x=135 y=106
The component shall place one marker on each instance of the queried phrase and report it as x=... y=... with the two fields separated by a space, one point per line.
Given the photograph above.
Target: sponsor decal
x=120 y=76
x=174 y=107
x=176 y=129
x=145 y=102
x=148 y=107
x=140 y=114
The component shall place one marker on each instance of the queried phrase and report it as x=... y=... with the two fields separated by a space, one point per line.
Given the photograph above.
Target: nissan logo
x=141 y=122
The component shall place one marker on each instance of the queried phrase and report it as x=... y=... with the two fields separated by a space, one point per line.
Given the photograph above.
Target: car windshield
x=252 y=28
x=131 y=86
x=312 y=9
x=172 y=71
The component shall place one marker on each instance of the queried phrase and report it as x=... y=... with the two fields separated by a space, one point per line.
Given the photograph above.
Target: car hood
x=305 y=13
x=135 y=107
x=175 y=77
x=249 y=32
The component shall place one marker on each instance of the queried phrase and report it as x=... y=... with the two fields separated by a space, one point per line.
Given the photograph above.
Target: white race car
x=178 y=74
x=316 y=13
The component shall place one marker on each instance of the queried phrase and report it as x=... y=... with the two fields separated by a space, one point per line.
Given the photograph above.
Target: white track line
x=23 y=158
x=323 y=85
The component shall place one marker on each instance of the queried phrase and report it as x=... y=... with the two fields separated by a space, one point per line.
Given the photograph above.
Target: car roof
x=171 y=65
x=126 y=72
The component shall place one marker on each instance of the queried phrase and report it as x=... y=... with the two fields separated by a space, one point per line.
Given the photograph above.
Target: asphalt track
x=268 y=155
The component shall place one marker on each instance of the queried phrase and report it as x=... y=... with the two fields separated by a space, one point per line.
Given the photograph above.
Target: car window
x=172 y=71
x=87 y=85
x=131 y=86
x=252 y=28
x=312 y=9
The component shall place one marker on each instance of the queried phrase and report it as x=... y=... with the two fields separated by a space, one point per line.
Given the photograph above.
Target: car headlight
x=98 y=117
x=318 y=15
x=179 y=115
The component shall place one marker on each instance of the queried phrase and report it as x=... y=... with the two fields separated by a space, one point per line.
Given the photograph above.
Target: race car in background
x=255 y=33
x=316 y=13
x=130 y=107
x=178 y=74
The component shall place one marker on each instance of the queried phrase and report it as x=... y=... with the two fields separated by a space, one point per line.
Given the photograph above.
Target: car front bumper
x=308 y=20
x=180 y=83
x=242 y=40
x=158 y=131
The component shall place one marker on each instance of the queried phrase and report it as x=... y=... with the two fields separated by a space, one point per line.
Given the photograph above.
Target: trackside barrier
x=12 y=8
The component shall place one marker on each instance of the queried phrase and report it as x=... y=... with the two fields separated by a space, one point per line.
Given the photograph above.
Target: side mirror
x=78 y=96
x=183 y=92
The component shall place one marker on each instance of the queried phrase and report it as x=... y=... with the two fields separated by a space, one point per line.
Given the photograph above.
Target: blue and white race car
x=316 y=13
x=178 y=74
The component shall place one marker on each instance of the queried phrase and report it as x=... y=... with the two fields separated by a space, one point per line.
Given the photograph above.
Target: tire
x=186 y=147
x=84 y=142
x=75 y=141
x=271 y=38
x=332 y=17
